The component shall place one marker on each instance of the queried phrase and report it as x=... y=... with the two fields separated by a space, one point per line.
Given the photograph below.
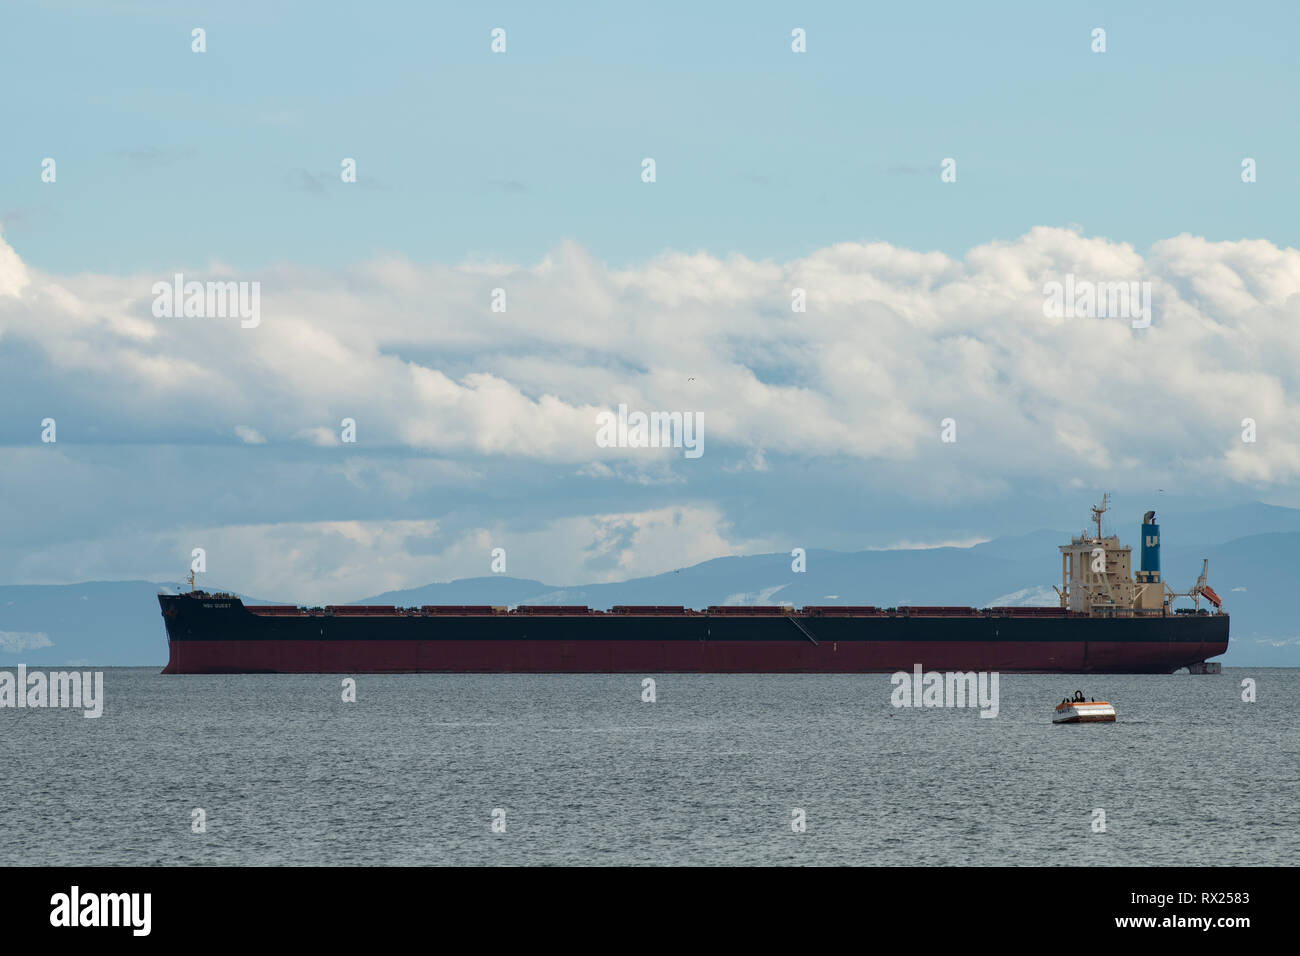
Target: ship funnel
x=1150 y=572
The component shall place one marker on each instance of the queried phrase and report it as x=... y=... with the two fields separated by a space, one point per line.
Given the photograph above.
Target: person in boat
x=1078 y=697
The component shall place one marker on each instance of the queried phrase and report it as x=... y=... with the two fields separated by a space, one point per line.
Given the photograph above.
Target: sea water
x=587 y=769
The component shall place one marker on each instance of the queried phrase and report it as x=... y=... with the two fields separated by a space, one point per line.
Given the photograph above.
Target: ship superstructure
x=1097 y=577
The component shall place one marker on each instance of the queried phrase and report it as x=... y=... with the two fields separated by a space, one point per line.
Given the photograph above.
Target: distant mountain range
x=1254 y=554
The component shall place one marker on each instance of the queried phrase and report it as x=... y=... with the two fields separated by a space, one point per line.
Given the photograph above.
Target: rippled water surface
x=709 y=774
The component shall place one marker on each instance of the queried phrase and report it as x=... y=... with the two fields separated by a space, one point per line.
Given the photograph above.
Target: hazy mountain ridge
x=118 y=623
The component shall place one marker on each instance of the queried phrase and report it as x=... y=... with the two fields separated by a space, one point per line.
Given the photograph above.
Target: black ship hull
x=219 y=634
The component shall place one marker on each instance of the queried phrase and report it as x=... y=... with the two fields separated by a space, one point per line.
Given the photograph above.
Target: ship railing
x=553 y=609
x=842 y=610
x=1027 y=611
x=1127 y=612
x=648 y=609
x=922 y=611
x=457 y=609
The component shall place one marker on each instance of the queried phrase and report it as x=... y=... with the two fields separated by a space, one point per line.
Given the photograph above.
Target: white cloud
x=14 y=642
x=1042 y=596
x=764 y=597
x=448 y=395
x=892 y=342
x=13 y=274
x=317 y=435
x=335 y=561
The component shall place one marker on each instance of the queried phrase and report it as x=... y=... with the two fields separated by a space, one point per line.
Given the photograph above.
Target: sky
x=775 y=171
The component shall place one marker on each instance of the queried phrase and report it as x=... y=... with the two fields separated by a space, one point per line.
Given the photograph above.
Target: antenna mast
x=1099 y=510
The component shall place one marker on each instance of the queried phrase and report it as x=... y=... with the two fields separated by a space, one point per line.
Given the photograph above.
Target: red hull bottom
x=700 y=657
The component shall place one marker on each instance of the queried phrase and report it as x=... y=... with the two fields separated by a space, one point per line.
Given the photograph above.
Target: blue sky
x=775 y=171
x=166 y=156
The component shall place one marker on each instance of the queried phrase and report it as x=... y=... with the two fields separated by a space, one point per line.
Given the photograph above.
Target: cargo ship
x=1107 y=621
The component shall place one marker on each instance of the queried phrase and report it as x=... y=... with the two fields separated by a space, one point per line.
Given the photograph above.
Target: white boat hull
x=1084 y=712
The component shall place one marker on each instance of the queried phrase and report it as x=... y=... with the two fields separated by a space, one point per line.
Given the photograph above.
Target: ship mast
x=1099 y=510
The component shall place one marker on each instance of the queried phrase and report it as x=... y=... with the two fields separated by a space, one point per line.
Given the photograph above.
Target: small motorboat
x=1081 y=710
